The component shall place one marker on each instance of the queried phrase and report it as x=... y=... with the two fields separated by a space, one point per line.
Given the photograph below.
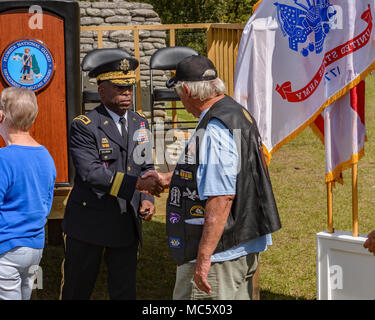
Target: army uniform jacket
x=103 y=206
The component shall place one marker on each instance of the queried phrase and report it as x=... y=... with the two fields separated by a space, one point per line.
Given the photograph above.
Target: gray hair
x=19 y=106
x=203 y=90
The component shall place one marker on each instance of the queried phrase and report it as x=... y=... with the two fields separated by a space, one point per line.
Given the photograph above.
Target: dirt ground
x=160 y=204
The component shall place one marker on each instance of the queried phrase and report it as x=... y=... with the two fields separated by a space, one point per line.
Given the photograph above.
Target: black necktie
x=123 y=130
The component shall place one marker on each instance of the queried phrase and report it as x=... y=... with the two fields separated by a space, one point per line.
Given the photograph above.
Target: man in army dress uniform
x=111 y=150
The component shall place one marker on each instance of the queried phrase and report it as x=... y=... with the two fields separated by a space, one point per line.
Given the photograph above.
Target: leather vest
x=254 y=212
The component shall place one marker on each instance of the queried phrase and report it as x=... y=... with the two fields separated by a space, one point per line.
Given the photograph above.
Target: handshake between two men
x=153 y=182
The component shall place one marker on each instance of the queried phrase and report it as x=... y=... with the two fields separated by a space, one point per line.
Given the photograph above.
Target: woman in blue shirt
x=27 y=177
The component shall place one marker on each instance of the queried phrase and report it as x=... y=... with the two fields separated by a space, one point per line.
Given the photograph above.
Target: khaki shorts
x=229 y=280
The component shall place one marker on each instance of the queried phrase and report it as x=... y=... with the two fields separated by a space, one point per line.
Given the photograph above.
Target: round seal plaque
x=27 y=63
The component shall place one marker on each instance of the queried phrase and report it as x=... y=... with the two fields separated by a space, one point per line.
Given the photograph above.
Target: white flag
x=297 y=57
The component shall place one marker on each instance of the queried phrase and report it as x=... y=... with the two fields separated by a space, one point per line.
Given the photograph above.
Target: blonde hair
x=20 y=108
x=203 y=90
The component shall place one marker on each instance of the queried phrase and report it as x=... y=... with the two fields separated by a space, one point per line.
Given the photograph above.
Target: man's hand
x=149 y=183
x=202 y=267
x=164 y=178
x=147 y=210
x=216 y=215
x=370 y=242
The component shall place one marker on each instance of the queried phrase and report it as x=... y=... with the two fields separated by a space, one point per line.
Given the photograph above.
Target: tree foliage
x=200 y=11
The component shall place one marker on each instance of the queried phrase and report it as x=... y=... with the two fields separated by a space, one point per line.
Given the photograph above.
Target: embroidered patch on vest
x=197 y=211
x=192 y=195
x=175 y=242
x=186 y=175
x=175 y=198
x=174 y=218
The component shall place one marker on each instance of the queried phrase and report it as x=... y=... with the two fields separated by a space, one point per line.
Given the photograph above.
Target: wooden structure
x=222 y=47
x=59 y=23
x=41 y=26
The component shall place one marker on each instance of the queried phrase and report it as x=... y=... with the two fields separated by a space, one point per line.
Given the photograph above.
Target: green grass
x=182 y=114
x=288 y=267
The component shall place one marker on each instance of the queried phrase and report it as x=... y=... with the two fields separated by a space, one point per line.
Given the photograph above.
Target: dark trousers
x=81 y=268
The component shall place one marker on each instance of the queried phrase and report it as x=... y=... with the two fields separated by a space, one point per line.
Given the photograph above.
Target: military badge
x=142 y=133
x=141 y=114
x=185 y=175
x=83 y=119
x=124 y=65
x=105 y=143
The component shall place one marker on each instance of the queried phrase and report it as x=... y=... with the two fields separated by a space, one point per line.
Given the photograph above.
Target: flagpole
x=355 y=199
x=329 y=207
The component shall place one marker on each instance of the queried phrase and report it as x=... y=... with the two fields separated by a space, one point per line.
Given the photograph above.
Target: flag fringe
x=334 y=174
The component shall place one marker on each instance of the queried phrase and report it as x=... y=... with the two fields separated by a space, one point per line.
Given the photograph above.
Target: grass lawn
x=288 y=267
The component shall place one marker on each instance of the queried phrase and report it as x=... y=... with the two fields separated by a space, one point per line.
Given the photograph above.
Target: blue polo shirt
x=27 y=179
x=217 y=176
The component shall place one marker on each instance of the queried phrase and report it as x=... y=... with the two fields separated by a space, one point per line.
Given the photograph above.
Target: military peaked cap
x=114 y=65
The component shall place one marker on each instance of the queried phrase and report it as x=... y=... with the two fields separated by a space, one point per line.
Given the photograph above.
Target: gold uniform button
x=84 y=204
x=129 y=168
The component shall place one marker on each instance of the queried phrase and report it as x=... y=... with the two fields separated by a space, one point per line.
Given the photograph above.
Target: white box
x=345 y=269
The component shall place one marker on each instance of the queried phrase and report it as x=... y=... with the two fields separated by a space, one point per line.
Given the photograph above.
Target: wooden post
x=172 y=43
x=330 y=208
x=355 y=199
x=231 y=64
x=138 y=70
x=210 y=44
x=100 y=39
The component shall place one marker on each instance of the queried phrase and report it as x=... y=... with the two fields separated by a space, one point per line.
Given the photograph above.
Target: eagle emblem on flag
x=298 y=22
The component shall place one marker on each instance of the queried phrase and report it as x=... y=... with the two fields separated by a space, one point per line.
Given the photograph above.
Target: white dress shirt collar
x=116 y=118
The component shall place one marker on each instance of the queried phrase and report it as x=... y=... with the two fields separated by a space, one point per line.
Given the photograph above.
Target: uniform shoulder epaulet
x=140 y=114
x=83 y=118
